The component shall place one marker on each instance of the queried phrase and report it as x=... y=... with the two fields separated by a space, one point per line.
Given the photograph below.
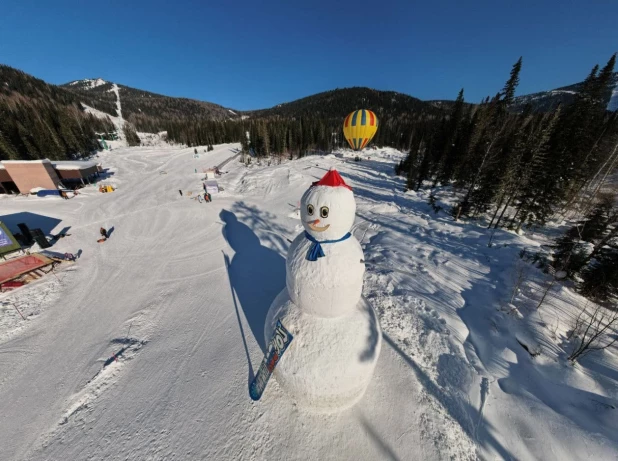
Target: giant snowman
x=337 y=337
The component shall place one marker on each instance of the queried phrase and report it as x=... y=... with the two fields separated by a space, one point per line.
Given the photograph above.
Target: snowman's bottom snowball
x=330 y=361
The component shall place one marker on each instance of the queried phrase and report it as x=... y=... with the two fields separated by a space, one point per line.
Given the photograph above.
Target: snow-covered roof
x=57 y=164
x=73 y=164
x=27 y=161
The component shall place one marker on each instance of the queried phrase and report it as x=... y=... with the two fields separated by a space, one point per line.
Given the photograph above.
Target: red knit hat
x=332 y=179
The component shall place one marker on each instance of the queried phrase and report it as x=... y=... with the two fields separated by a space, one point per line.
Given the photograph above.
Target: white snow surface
x=183 y=288
x=118 y=121
x=93 y=83
x=118 y=124
x=97 y=82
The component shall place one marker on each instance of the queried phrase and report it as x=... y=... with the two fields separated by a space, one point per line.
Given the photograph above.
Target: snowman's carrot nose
x=315 y=221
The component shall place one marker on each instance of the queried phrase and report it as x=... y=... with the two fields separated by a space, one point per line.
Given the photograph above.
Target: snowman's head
x=328 y=208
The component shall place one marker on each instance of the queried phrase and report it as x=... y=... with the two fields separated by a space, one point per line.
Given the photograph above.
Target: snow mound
x=267 y=181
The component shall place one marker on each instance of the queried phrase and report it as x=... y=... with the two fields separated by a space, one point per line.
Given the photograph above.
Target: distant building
x=24 y=175
x=212 y=187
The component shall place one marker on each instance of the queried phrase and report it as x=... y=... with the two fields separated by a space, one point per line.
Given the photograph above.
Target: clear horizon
x=257 y=56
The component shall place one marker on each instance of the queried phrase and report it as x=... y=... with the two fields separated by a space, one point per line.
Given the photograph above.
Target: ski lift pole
x=18 y=311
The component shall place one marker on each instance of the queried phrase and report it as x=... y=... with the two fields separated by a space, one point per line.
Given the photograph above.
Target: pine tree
x=7 y=151
x=535 y=200
x=599 y=227
x=508 y=92
x=600 y=279
x=130 y=135
x=454 y=143
x=490 y=130
x=511 y=168
x=580 y=134
x=603 y=81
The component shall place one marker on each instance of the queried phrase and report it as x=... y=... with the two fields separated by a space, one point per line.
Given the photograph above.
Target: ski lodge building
x=21 y=176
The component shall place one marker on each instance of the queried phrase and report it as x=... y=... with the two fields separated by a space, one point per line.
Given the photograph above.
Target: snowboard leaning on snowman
x=336 y=333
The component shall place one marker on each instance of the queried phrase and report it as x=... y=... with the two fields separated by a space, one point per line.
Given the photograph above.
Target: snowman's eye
x=310 y=209
x=324 y=212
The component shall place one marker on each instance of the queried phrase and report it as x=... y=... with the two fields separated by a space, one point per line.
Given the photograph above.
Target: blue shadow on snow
x=257 y=273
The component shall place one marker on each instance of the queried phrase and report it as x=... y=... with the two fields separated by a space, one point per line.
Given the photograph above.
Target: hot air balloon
x=359 y=127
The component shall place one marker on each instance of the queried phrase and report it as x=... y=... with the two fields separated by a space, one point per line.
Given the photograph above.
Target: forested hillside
x=42 y=120
x=149 y=112
x=340 y=102
x=525 y=168
x=38 y=120
x=545 y=101
x=314 y=122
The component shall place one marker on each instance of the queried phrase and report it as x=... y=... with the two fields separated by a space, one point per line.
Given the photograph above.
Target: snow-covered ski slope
x=182 y=288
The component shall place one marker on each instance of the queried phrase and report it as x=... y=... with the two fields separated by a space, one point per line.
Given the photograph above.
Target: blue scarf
x=315 y=250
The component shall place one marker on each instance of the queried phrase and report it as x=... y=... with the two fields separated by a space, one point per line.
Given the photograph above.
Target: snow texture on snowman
x=337 y=336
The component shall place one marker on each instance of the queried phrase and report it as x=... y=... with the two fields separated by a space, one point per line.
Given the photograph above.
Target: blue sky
x=252 y=54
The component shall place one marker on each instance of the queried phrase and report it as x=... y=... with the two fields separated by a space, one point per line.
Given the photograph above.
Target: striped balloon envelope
x=359 y=127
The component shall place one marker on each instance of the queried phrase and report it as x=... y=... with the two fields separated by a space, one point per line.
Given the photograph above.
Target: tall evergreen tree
x=508 y=92
x=600 y=279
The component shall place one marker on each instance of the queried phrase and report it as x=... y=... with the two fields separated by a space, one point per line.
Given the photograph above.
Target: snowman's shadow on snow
x=257 y=274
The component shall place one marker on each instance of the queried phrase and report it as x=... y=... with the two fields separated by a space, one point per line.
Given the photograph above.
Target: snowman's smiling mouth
x=313 y=227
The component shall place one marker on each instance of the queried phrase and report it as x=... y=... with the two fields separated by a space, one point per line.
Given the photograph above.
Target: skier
x=103 y=233
x=180 y=192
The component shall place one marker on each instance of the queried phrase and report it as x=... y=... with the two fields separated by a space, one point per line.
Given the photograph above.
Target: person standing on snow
x=103 y=232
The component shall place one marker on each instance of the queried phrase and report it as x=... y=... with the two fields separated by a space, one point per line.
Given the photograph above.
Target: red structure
x=13 y=268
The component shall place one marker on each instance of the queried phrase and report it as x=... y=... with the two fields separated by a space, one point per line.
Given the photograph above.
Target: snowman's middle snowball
x=330 y=286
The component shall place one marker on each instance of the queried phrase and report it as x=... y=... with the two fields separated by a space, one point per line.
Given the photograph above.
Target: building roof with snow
x=74 y=164
x=25 y=175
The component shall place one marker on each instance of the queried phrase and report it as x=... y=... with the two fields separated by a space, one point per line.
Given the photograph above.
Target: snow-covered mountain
x=87 y=83
x=100 y=94
x=548 y=100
